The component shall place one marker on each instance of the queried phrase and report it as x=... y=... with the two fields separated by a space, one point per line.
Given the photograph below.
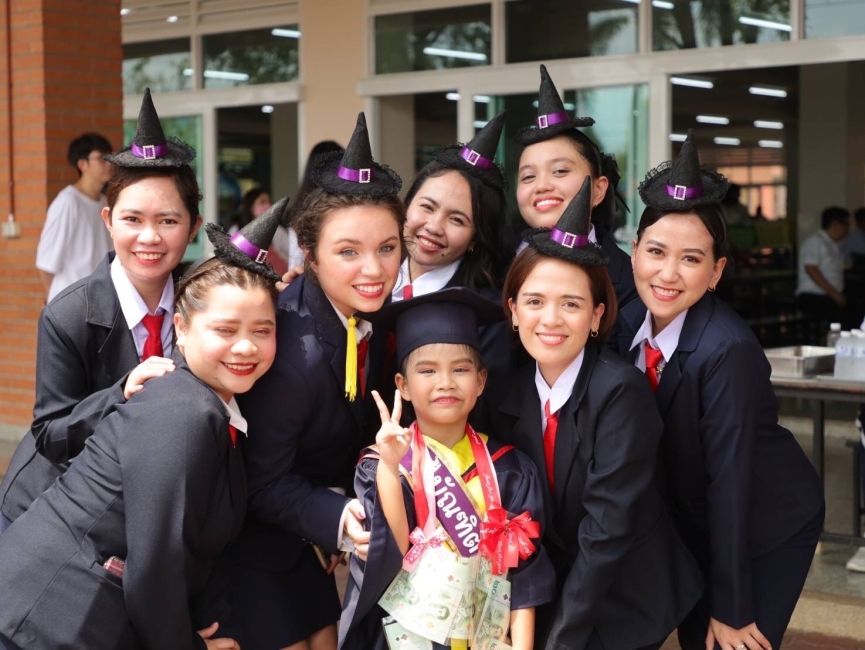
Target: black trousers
x=777 y=578
x=822 y=310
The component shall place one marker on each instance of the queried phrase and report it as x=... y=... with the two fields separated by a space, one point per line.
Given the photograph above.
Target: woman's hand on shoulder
x=392 y=439
x=288 y=277
x=729 y=638
x=148 y=369
x=223 y=643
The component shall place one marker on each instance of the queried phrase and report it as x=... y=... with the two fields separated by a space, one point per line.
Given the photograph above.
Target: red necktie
x=362 y=347
x=653 y=358
x=232 y=434
x=550 y=443
x=153 y=343
x=407 y=292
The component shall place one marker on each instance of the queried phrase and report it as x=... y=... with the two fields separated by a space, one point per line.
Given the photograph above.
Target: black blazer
x=622 y=570
x=305 y=436
x=84 y=354
x=159 y=485
x=738 y=482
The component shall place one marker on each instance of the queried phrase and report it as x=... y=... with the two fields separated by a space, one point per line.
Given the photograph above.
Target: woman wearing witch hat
x=744 y=497
x=310 y=413
x=556 y=157
x=124 y=550
x=102 y=338
x=588 y=421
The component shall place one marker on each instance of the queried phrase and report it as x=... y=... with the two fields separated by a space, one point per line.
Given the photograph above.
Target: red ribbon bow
x=420 y=543
x=504 y=542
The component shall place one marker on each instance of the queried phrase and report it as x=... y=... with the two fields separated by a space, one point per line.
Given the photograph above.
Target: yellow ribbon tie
x=351 y=359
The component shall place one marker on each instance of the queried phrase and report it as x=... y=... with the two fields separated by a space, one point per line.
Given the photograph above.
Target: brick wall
x=65 y=79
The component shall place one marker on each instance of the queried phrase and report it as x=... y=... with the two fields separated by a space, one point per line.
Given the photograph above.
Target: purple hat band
x=249 y=249
x=475 y=159
x=552 y=118
x=149 y=151
x=355 y=175
x=568 y=239
x=683 y=192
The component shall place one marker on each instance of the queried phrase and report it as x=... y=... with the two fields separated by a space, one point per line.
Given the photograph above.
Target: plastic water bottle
x=833 y=335
x=858 y=365
x=844 y=356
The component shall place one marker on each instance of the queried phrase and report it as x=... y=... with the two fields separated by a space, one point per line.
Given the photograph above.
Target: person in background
x=735 y=213
x=73 y=240
x=255 y=203
x=855 y=241
x=820 y=288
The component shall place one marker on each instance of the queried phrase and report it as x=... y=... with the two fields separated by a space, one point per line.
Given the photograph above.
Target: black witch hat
x=569 y=238
x=476 y=157
x=150 y=147
x=354 y=171
x=681 y=184
x=553 y=119
x=247 y=248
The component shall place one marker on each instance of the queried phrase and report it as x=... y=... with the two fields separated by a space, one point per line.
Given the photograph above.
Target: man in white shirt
x=74 y=239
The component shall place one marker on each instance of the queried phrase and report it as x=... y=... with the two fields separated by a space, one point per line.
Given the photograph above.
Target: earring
x=711 y=289
x=594 y=333
x=472 y=248
x=515 y=328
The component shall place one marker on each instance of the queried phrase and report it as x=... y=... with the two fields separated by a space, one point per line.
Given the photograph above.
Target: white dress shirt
x=667 y=340
x=429 y=282
x=561 y=389
x=134 y=310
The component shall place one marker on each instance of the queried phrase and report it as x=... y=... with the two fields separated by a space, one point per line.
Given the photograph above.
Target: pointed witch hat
x=552 y=119
x=247 y=248
x=477 y=157
x=681 y=184
x=150 y=147
x=354 y=171
x=569 y=238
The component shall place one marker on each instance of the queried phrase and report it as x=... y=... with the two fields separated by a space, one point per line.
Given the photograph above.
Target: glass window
x=431 y=40
x=253 y=57
x=159 y=65
x=558 y=29
x=681 y=24
x=834 y=18
x=189 y=129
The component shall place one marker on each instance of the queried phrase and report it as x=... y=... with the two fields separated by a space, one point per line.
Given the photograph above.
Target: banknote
x=399 y=638
x=491 y=625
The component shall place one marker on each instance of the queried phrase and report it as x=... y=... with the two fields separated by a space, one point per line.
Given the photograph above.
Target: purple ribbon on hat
x=249 y=249
x=363 y=175
x=475 y=159
x=568 y=239
x=683 y=192
x=552 y=118
x=149 y=151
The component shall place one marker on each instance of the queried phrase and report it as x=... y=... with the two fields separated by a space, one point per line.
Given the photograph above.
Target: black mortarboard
x=681 y=184
x=149 y=146
x=569 y=239
x=247 y=247
x=354 y=171
x=477 y=157
x=553 y=119
x=446 y=316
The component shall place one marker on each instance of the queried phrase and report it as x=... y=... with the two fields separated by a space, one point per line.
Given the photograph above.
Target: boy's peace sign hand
x=392 y=439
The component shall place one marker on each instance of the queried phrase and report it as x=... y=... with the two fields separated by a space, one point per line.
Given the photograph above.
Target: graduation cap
x=247 y=248
x=681 y=184
x=354 y=171
x=569 y=238
x=552 y=119
x=149 y=146
x=447 y=316
x=476 y=157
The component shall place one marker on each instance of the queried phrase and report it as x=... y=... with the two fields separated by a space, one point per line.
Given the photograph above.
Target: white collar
x=235 y=419
x=667 y=339
x=562 y=388
x=430 y=282
x=364 y=327
x=131 y=303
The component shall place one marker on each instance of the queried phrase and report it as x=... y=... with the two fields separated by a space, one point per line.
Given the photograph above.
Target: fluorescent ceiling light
x=220 y=74
x=171 y=19
x=267 y=108
x=479 y=99
x=125 y=11
x=713 y=119
x=286 y=33
x=768 y=124
x=771 y=144
x=767 y=91
x=678 y=137
x=662 y=4
x=768 y=24
x=456 y=54
x=479 y=124
x=693 y=82
x=728 y=141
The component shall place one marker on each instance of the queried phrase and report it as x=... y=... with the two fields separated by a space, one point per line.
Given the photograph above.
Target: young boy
x=454 y=554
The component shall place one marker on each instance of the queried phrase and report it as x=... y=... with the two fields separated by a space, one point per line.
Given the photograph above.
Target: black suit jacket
x=622 y=570
x=305 y=436
x=738 y=482
x=159 y=485
x=84 y=353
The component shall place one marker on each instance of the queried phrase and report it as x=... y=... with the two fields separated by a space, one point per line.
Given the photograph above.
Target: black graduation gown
x=159 y=485
x=622 y=571
x=532 y=582
x=84 y=353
